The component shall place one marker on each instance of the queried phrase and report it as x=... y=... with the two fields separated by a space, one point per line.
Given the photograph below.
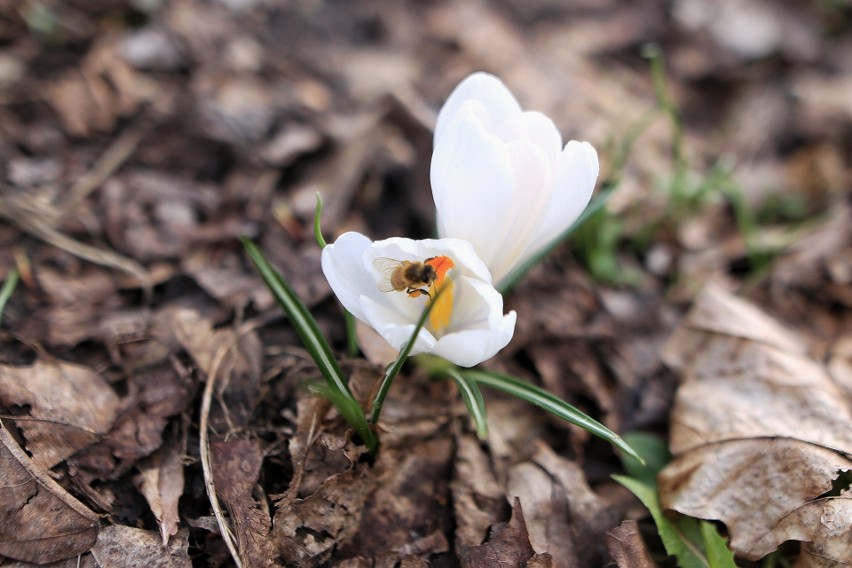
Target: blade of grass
x=395 y=367
x=551 y=403
x=8 y=288
x=718 y=553
x=318 y=223
x=306 y=327
x=473 y=399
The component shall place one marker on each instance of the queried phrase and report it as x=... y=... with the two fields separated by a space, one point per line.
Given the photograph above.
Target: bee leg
x=417 y=292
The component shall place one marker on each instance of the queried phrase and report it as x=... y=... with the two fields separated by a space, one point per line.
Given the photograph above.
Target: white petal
x=471 y=347
x=473 y=185
x=535 y=127
x=482 y=87
x=573 y=184
x=395 y=328
x=343 y=266
x=479 y=329
x=462 y=253
x=533 y=186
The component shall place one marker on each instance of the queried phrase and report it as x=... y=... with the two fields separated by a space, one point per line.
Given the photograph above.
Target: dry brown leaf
x=39 y=521
x=84 y=561
x=308 y=530
x=155 y=394
x=119 y=545
x=564 y=517
x=477 y=496
x=71 y=407
x=759 y=430
x=241 y=364
x=508 y=545
x=411 y=498
x=160 y=480
x=236 y=466
x=627 y=548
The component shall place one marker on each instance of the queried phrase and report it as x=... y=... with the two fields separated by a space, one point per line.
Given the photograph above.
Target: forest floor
x=706 y=306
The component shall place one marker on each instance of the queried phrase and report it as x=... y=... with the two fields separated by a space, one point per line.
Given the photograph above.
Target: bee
x=410 y=276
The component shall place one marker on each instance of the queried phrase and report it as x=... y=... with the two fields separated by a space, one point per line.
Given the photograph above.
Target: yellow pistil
x=442 y=310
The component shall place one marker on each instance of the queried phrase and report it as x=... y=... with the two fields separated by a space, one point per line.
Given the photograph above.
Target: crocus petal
x=487 y=89
x=485 y=330
x=395 y=328
x=351 y=268
x=501 y=178
x=532 y=177
x=535 y=128
x=472 y=184
x=573 y=184
x=343 y=266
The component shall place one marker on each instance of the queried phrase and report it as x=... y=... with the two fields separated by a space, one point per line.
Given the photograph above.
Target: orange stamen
x=439 y=317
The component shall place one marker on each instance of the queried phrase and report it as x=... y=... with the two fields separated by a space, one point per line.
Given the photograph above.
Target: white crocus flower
x=387 y=285
x=501 y=178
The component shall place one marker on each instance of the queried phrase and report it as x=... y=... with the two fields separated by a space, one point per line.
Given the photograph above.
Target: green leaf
x=674 y=540
x=473 y=399
x=551 y=403
x=718 y=553
x=306 y=326
x=653 y=450
x=317 y=223
x=8 y=288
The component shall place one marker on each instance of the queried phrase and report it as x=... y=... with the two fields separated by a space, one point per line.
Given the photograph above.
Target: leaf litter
x=141 y=139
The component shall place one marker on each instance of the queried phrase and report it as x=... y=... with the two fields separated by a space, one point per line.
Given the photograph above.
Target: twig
x=28 y=217
x=209 y=484
x=114 y=156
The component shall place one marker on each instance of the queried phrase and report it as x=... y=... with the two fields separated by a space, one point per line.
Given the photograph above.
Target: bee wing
x=386 y=267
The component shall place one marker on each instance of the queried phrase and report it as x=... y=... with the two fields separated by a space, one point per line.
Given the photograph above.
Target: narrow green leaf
x=596 y=204
x=718 y=553
x=551 y=403
x=8 y=288
x=674 y=541
x=305 y=325
x=318 y=223
x=351 y=335
x=473 y=399
x=395 y=367
x=653 y=449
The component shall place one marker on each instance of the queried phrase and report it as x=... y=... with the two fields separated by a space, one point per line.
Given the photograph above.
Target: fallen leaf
x=759 y=430
x=129 y=547
x=508 y=545
x=39 y=521
x=627 y=548
x=236 y=466
x=308 y=530
x=70 y=407
x=239 y=354
x=161 y=480
x=478 y=499
x=155 y=394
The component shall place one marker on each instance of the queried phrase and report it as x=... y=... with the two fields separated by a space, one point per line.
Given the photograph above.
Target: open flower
x=501 y=178
x=387 y=285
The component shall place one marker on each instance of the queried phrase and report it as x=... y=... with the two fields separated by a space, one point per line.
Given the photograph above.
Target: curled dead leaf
x=760 y=432
x=39 y=521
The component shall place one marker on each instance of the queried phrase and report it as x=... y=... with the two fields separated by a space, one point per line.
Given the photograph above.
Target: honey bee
x=410 y=276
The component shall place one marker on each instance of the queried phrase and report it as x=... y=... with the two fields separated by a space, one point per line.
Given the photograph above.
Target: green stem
x=395 y=367
x=8 y=288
